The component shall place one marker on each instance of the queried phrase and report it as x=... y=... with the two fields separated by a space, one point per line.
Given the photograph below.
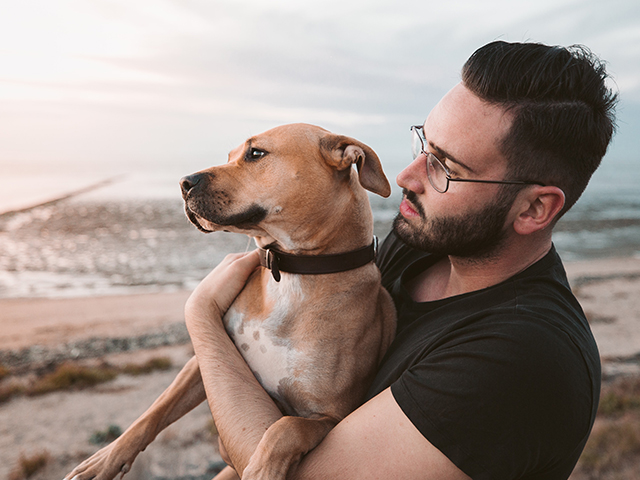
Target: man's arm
x=375 y=441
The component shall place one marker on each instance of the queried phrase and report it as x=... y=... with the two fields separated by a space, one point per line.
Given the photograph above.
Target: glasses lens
x=437 y=174
x=416 y=143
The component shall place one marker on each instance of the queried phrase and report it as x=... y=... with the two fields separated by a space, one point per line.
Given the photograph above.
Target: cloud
x=156 y=78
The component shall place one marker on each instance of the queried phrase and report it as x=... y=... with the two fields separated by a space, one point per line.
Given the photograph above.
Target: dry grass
x=71 y=376
x=612 y=444
x=151 y=365
x=29 y=465
x=106 y=436
x=613 y=449
x=10 y=390
x=620 y=397
x=75 y=376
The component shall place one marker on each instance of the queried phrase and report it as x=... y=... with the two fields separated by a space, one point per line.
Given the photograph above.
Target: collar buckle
x=272 y=264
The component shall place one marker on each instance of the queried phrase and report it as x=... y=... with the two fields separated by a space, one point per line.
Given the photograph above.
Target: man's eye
x=451 y=171
x=255 y=154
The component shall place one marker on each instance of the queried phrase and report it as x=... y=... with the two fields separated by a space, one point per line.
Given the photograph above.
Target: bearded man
x=494 y=372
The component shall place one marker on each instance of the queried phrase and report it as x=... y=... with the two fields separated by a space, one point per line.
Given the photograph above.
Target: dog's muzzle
x=188 y=185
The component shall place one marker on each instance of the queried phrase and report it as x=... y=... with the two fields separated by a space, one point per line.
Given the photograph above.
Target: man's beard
x=472 y=235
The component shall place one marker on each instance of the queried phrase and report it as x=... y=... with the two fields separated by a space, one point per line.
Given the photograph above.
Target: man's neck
x=453 y=276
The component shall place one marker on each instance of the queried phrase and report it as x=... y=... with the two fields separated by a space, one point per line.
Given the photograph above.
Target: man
x=494 y=372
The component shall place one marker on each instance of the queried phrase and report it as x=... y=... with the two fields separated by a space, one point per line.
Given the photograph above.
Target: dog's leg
x=184 y=394
x=284 y=444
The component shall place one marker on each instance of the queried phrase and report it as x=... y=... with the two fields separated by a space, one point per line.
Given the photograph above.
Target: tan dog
x=313 y=340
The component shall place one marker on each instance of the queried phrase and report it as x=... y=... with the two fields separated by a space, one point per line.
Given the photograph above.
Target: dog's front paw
x=255 y=472
x=105 y=464
x=266 y=469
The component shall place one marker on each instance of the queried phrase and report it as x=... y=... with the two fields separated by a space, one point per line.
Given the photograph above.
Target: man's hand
x=217 y=291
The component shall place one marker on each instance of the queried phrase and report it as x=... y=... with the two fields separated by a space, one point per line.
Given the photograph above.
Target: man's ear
x=539 y=207
x=341 y=152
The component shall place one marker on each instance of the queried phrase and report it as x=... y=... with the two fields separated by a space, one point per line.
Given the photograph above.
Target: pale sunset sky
x=99 y=87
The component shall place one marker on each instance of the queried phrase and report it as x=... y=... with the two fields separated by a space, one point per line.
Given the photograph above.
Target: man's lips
x=407 y=210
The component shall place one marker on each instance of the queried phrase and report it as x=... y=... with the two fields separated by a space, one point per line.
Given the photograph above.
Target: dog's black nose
x=188 y=182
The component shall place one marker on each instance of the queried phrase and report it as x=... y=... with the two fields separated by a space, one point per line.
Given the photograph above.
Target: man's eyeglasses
x=439 y=175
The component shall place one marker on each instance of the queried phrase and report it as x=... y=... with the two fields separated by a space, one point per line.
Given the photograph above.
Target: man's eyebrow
x=442 y=154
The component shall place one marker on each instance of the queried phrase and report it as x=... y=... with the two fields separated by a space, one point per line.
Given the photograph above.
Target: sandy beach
x=61 y=423
x=51 y=322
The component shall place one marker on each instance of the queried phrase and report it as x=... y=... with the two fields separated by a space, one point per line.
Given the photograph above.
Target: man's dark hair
x=563 y=110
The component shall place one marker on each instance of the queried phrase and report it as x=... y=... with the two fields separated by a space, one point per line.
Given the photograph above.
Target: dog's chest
x=270 y=353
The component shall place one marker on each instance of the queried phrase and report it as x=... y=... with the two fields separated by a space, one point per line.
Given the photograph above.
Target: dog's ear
x=341 y=152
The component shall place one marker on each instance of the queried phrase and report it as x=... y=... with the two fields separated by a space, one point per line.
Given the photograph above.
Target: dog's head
x=282 y=180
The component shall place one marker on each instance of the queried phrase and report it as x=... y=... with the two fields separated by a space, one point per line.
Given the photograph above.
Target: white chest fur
x=271 y=357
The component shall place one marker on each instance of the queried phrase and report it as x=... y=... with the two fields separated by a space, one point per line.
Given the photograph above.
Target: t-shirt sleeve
x=492 y=399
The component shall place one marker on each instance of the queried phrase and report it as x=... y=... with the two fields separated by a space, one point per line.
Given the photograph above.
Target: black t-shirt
x=505 y=380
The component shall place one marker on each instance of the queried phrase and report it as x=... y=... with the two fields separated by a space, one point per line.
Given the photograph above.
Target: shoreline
x=607 y=289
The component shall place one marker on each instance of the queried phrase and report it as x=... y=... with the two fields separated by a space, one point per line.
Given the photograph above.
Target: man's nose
x=414 y=176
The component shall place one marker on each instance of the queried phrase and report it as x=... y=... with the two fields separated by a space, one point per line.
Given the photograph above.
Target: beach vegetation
x=29 y=465
x=612 y=445
x=10 y=390
x=620 y=396
x=613 y=448
x=76 y=376
x=72 y=376
x=151 y=365
x=108 y=435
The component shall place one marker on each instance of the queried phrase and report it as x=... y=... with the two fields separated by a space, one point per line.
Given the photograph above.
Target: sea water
x=131 y=235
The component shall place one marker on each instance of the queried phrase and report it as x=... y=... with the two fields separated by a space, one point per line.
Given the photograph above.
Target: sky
x=102 y=87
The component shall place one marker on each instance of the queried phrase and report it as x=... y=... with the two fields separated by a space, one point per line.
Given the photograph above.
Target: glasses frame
x=431 y=158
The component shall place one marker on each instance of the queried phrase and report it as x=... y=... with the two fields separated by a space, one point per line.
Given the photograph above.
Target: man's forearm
x=241 y=408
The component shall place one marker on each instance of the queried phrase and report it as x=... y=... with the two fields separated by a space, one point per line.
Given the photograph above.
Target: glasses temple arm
x=502 y=182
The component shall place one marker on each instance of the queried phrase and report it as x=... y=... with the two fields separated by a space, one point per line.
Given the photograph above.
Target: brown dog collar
x=277 y=261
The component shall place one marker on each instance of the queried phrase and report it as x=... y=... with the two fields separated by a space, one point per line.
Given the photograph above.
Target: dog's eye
x=255 y=154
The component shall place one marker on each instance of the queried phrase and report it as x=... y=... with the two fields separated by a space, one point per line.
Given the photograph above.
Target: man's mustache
x=413 y=198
